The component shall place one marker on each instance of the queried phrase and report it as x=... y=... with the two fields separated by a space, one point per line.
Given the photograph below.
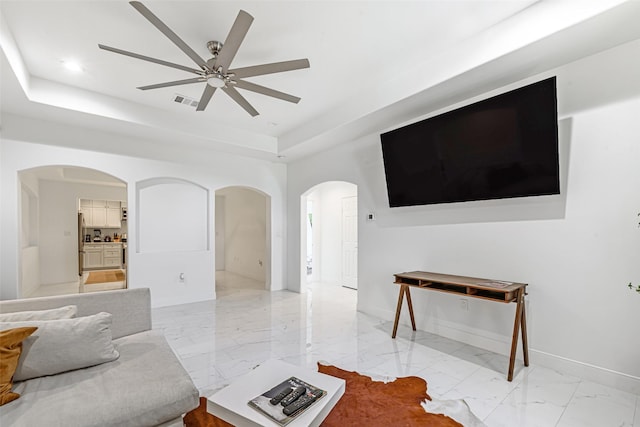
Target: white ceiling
x=373 y=63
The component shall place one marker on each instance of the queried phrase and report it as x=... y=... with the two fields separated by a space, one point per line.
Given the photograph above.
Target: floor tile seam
x=450 y=388
x=512 y=391
x=573 y=395
x=461 y=380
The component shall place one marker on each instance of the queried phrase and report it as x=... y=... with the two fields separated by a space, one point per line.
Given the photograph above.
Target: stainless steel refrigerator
x=80 y=244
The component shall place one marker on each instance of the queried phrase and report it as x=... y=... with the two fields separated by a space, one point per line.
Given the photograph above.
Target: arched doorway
x=242 y=240
x=329 y=235
x=59 y=254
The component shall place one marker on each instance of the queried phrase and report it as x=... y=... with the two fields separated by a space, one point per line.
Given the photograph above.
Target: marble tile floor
x=218 y=341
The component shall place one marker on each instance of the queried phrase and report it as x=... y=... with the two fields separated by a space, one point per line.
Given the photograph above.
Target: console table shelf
x=472 y=287
x=480 y=288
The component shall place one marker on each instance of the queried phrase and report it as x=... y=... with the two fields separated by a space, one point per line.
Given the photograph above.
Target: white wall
x=30 y=234
x=245 y=232
x=155 y=270
x=577 y=257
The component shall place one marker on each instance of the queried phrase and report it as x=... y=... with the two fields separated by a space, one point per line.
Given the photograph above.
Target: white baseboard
x=502 y=345
x=597 y=374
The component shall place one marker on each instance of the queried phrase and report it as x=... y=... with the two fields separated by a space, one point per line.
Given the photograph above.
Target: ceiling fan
x=215 y=71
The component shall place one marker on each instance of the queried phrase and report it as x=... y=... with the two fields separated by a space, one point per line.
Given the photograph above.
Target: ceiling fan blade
x=147 y=58
x=235 y=95
x=206 y=96
x=169 y=33
x=266 y=91
x=174 y=83
x=234 y=40
x=276 y=67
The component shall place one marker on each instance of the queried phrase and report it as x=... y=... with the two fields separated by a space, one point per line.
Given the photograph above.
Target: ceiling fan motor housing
x=217 y=78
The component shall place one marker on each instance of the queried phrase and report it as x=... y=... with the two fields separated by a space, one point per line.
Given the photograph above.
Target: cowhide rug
x=375 y=403
x=366 y=402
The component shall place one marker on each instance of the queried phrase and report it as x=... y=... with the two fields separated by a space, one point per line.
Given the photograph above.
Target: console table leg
x=514 y=338
x=525 y=344
x=410 y=304
x=398 y=308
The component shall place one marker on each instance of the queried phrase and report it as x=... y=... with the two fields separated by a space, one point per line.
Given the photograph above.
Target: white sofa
x=145 y=386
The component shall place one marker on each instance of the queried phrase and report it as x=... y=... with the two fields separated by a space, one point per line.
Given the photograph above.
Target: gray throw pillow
x=64 y=345
x=66 y=312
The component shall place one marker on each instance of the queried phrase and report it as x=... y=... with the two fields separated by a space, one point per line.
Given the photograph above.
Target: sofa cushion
x=64 y=345
x=146 y=386
x=131 y=308
x=10 y=349
x=66 y=312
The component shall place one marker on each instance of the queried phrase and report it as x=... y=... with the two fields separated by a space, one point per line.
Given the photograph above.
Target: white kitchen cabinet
x=93 y=256
x=101 y=213
x=112 y=255
x=98 y=217
x=102 y=255
x=87 y=211
x=113 y=216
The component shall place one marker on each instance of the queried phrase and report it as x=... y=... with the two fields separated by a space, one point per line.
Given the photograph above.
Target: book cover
x=275 y=412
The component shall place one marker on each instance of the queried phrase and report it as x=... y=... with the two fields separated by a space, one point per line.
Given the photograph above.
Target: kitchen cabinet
x=101 y=213
x=113 y=217
x=112 y=255
x=93 y=256
x=102 y=255
x=98 y=217
x=87 y=211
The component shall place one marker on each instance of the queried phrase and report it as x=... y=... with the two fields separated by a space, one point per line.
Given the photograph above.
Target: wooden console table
x=492 y=290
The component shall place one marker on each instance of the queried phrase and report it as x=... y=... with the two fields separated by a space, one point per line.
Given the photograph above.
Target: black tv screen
x=502 y=147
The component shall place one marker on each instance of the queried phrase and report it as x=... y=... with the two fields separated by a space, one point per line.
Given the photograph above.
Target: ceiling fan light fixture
x=215 y=81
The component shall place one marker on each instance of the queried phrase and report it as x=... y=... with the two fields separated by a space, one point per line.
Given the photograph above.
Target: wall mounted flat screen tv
x=502 y=147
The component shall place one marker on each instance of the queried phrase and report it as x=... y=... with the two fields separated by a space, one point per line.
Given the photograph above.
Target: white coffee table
x=230 y=403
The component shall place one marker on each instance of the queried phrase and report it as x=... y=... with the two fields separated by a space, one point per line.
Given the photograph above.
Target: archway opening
x=73 y=231
x=242 y=240
x=329 y=235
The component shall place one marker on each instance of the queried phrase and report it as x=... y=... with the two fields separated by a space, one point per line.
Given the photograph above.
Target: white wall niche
x=173 y=216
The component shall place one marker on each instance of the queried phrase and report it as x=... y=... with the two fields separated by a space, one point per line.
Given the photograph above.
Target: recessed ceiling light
x=73 y=66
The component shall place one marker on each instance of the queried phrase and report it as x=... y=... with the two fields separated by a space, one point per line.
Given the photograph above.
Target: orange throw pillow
x=10 y=349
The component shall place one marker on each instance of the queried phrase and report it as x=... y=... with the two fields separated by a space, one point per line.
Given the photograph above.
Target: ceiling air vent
x=185 y=100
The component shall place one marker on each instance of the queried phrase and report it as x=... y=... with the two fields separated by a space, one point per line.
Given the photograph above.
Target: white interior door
x=350 y=242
